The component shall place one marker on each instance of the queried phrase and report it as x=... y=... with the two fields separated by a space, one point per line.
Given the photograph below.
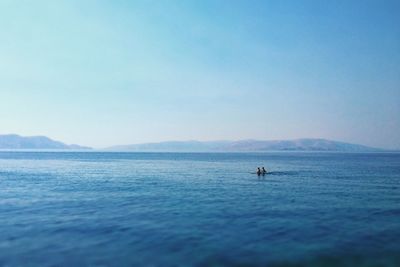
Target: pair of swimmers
x=261 y=171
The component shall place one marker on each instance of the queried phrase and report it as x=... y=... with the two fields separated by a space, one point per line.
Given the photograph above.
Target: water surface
x=205 y=209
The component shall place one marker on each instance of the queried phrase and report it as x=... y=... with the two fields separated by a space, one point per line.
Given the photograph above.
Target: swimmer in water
x=263 y=171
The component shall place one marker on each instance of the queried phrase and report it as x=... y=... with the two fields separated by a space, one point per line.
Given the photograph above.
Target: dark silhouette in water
x=258 y=171
x=263 y=171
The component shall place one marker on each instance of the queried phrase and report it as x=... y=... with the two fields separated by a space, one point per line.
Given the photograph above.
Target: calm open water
x=188 y=209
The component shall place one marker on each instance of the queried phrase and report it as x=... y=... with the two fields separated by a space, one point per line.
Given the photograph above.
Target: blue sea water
x=205 y=209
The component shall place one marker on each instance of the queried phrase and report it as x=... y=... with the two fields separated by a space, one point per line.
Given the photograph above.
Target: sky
x=103 y=73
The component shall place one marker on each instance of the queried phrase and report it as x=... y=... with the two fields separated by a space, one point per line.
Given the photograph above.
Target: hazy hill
x=14 y=141
x=245 y=146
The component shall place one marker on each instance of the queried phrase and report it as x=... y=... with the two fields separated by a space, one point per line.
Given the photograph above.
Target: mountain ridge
x=248 y=145
x=15 y=141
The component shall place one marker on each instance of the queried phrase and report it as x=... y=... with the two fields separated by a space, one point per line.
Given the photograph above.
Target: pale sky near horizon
x=102 y=73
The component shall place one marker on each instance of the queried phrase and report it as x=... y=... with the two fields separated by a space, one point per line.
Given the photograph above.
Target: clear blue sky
x=101 y=73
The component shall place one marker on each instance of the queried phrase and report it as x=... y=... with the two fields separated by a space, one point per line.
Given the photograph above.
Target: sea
x=199 y=209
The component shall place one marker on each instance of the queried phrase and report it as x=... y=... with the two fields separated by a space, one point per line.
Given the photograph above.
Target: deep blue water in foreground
x=167 y=209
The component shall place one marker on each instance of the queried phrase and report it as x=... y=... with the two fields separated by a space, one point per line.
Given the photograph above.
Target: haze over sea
x=199 y=209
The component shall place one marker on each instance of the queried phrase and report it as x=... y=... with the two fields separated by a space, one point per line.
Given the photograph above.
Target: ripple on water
x=164 y=209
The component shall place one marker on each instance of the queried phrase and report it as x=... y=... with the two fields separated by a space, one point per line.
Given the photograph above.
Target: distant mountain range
x=245 y=146
x=14 y=141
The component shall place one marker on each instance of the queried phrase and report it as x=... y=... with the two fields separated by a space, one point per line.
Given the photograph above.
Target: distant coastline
x=35 y=143
x=305 y=144
x=17 y=142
